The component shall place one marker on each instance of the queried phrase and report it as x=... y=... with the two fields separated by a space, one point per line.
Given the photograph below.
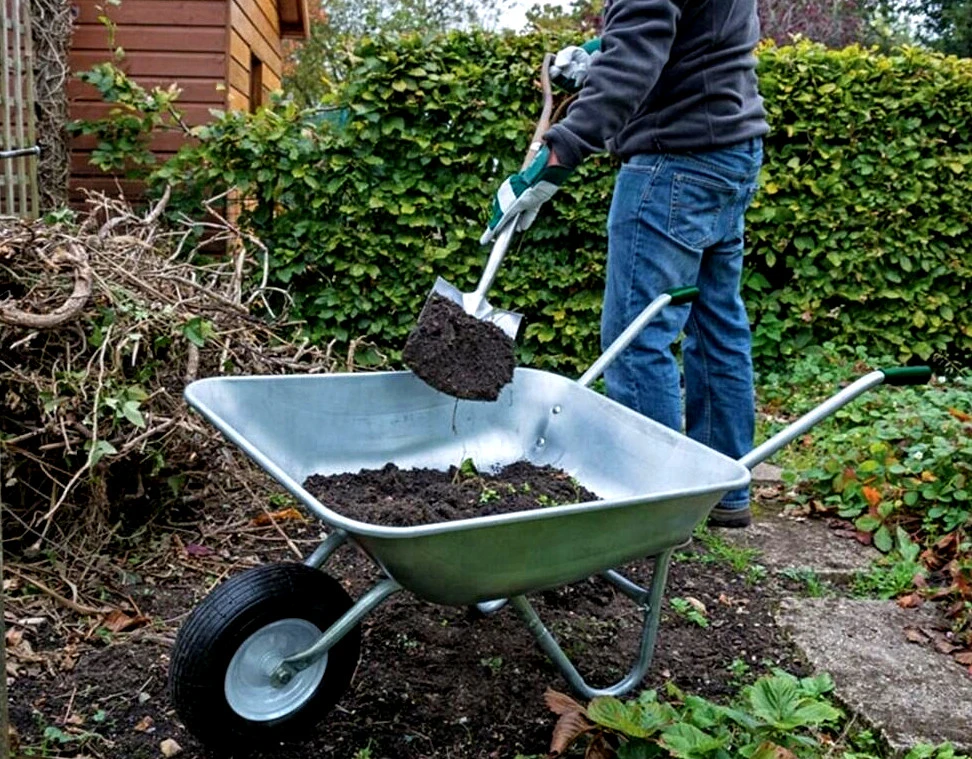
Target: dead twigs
x=101 y=326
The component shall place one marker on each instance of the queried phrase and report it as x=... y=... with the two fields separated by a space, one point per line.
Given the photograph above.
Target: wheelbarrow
x=271 y=650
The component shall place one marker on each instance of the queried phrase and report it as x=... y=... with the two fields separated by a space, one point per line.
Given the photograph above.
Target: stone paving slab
x=911 y=693
x=786 y=543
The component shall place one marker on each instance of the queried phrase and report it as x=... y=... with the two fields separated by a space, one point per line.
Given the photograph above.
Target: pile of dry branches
x=102 y=324
x=51 y=22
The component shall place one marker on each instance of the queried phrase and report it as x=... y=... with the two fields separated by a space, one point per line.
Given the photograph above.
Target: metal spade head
x=476 y=305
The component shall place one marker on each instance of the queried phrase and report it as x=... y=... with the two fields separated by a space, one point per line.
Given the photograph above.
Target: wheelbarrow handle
x=904 y=375
x=675 y=297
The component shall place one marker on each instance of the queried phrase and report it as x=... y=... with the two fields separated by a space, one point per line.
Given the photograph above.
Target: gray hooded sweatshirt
x=672 y=76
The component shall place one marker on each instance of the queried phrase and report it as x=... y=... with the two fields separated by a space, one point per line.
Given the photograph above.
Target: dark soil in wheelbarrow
x=433 y=681
x=459 y=354
x=403 y=498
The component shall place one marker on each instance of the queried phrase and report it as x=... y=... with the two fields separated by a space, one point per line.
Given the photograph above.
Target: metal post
x=18 y=57
x=8 y=169
x=31 y=176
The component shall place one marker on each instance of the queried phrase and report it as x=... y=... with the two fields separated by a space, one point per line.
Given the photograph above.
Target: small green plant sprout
x=738 y=668
x=691 y=609
x=810 y=580
x=547 y=501
x=892 y=575
x=488 y=495
x=465 y=471
x=493 y=663
x=363 y=753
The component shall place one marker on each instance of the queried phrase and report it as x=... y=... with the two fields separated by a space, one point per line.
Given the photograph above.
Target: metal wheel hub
x=249 y=687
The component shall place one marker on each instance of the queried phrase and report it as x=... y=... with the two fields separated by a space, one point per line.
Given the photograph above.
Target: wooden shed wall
x=254 y=36
x=165 y=41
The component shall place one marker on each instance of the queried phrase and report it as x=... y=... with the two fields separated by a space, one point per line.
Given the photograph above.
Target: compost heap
x=396 y=497
x=103 y=321
x=458 y=354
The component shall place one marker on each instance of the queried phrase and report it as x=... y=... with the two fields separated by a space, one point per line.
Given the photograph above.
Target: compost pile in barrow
x=458 y=354
x=407 y=497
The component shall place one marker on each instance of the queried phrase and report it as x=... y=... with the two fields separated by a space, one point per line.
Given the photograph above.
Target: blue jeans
x=677 y=220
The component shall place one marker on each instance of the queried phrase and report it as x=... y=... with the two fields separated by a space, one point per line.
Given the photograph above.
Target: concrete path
x=908 y=691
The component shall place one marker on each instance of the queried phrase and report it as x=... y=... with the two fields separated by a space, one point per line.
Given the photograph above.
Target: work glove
x=522 y=194
x=569 y=69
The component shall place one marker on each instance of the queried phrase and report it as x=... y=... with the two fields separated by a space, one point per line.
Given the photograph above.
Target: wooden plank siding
x=254 y=31
x=164 y=42
x=207 y=47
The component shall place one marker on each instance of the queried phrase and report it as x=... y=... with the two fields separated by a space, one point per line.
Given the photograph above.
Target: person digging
x=669 y=87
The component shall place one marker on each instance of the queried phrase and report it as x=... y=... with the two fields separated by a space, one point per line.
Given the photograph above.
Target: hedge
x=860 y=234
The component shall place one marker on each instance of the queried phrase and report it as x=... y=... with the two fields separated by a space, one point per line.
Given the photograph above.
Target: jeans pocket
x=697 y=205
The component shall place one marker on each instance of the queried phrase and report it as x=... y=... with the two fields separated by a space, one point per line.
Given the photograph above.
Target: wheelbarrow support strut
x=652 y=612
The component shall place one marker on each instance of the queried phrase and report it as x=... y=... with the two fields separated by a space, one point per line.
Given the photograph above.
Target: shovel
x=475 y=303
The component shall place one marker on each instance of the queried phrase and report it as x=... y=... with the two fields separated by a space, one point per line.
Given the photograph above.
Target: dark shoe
x=723 y=517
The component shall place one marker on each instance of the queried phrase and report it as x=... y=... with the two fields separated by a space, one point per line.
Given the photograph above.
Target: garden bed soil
x=433 y=681
x=459 y=354
x=404 y=498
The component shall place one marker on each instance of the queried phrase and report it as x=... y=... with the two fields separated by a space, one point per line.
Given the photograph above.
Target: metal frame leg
x=649 y=632
x=323 y=552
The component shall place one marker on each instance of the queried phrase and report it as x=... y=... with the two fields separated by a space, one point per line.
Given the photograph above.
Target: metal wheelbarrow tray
x=243 y=671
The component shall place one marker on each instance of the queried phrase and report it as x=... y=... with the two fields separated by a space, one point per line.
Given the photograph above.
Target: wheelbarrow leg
x=333 y=541
x=652 y=610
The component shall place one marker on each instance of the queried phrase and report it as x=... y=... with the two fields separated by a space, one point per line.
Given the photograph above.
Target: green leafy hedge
x=861 y=232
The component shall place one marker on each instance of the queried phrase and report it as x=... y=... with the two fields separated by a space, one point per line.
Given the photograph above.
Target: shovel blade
x=508 y=321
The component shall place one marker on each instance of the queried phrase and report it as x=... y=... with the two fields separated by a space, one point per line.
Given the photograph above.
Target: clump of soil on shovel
x=459 y=354
x=407 y=497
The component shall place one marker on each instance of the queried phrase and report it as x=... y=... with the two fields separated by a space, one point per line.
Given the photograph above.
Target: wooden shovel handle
x=543 y=124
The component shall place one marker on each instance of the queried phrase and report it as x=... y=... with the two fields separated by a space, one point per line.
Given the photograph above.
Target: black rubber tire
x=219 y=626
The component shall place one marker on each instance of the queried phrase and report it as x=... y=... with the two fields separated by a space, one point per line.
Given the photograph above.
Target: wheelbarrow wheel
x=219 y=677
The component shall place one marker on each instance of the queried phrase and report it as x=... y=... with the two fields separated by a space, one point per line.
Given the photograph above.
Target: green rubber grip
x=907 y=375
x=682 y=295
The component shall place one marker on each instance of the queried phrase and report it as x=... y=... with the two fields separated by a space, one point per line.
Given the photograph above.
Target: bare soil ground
x=433 y=681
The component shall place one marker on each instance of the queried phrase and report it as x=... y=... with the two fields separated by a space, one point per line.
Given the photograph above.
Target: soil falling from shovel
x=459 y=354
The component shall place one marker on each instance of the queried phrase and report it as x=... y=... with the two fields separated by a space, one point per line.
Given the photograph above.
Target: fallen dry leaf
x=194 y=549
x=725 y=600
x=864 y=538
x=169 y=748
x=965 y=657
x=118 y=621
x=945 y=646
x=909 y=601
x=599 y=749
x=144 y=724
x=927 y=476
x=277 y=516
x=569 y=728
x=14 y=636
x=960 y=415
x=75 y=719
x=561 y=703
x=916 y=635
x=871 y=495
x=696 y=604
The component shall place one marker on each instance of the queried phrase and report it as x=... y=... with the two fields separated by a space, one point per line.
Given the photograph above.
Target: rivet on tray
x=541 y=442
x=556 y=409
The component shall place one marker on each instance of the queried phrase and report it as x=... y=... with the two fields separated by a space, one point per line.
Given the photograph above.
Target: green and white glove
x=569 y=69
x=522 y=194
